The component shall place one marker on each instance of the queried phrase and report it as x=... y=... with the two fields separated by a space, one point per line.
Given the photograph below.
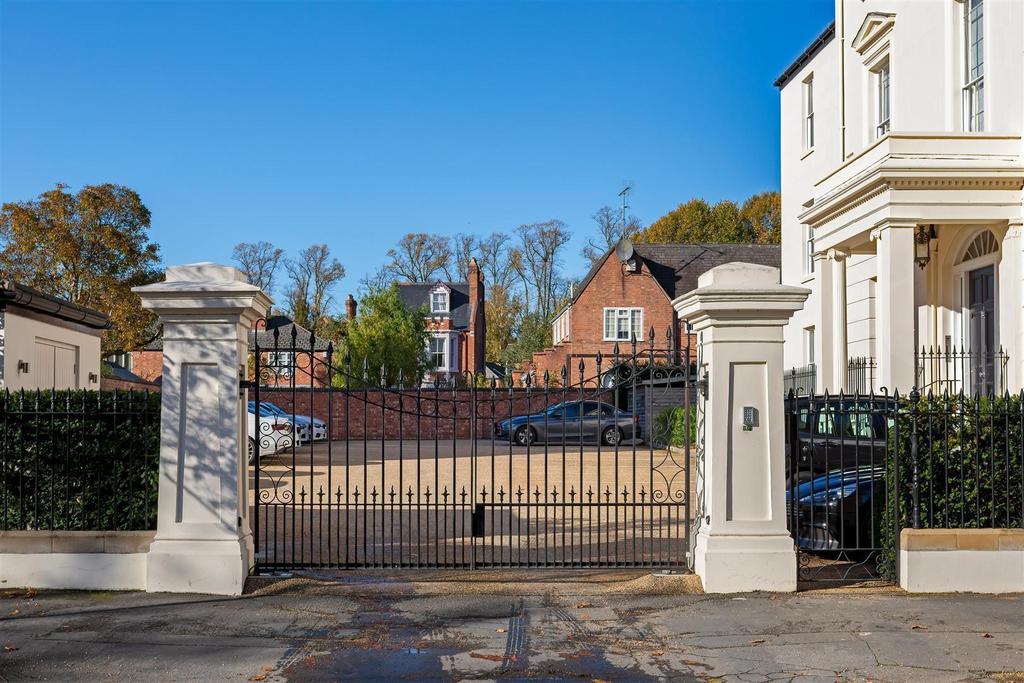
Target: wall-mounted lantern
x=923 y=245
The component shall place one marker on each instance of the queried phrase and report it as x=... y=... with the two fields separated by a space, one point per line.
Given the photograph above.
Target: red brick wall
x=611 y=287
x=384 y=423
x=111 y=384
x=148 y=364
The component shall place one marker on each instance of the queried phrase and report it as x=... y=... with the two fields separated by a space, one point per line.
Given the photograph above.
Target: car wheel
x=525 y=436
x=252 y=451
x=611 y=436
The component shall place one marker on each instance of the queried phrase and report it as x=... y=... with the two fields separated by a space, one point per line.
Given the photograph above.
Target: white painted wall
x=22 y=335
x=925 y=48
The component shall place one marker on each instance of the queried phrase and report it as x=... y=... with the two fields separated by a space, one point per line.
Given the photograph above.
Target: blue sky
x=352 y=124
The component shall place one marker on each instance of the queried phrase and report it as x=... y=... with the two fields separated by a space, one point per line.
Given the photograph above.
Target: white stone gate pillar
x=203 y=543
x=738 y=311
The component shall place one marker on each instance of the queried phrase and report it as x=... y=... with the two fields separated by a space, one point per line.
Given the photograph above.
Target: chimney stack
x=350 y=307
x=477 y=318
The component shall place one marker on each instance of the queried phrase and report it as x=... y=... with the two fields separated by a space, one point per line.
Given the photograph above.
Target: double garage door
x=55 y=365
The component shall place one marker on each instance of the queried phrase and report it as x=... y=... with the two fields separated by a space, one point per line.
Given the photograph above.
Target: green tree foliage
x=385 y=333
x=533 y=334
x=757 y=220
x=90 y=248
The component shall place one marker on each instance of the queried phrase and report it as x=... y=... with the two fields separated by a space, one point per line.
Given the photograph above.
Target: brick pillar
x=477 y=338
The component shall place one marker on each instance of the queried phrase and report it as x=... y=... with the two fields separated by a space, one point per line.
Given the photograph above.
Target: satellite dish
x=624 y=250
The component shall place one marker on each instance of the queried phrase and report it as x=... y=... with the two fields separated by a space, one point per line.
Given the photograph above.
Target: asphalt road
x=524 y=625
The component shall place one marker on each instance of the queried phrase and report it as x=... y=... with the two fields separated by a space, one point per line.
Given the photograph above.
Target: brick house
x=621 y=298
x=455 y=315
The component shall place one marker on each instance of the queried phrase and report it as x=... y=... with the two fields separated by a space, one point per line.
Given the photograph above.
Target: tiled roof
x=285 y=328
x=677 y=266
x=416 y=295
x=16 y=294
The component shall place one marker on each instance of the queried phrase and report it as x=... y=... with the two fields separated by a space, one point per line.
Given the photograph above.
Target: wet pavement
x=511 y=625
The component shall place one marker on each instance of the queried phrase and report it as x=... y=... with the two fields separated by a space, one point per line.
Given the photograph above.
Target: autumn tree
x=504 y=310
x=493 y=259
x=419 y=257
x=313 y=275
x=90 y=248
x=763 y=212
x=259 y=261
x=385 y=334
x=756 y=221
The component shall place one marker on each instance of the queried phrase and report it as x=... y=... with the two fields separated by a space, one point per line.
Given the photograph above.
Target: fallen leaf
x=10 y=648
x=657 y=653
x=258 y=677
x=491 y=658
x=15 y=612
x=581 y=605
x=500 y=630
x=757 y=641
x=987 y=635
x=29 y=594
x=918 y=627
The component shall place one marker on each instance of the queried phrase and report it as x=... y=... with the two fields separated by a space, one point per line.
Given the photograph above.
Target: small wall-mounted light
x=93 y=378
x=923 y=245
x=23 y=366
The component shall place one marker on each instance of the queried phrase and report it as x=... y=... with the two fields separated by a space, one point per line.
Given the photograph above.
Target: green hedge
x=670 y=427
x=970 y=467
x=79 y=460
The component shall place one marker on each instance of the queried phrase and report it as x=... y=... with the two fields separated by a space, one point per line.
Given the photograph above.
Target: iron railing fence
x=954 y=370
x=801 y=380
x=376 y=468
x=862 y=467
x=860 y=374
x=79 y=460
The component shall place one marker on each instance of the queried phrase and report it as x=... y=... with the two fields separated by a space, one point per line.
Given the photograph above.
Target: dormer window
x=439 y=300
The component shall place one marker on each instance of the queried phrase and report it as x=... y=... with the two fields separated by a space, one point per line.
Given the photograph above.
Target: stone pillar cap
x=204 y=271
x=741 y=290
x=737 y=275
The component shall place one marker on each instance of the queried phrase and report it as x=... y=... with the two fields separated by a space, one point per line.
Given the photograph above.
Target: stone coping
x=38 y=542
x=962 y=539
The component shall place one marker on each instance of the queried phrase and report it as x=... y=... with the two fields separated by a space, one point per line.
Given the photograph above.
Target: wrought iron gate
x=354 y=466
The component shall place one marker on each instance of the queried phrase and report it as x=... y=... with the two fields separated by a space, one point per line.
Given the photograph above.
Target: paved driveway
x=444 y=626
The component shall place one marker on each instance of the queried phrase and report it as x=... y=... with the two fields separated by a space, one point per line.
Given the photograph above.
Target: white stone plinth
x=203 y=543
x=738 y=311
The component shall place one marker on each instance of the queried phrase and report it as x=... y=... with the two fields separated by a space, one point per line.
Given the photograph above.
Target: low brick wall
x=78 y=560
x=357 y=414
x=962 y=560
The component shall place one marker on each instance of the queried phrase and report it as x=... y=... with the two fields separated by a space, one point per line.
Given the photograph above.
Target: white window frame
x=440 y=291
x=445 y=351
x=808 y=113
x=620 y=313
x=883 y=97
x=282 y=362
x=809 y=346
x=974 y=73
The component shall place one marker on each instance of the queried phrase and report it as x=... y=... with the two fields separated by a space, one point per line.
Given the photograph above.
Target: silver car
x=572 y=421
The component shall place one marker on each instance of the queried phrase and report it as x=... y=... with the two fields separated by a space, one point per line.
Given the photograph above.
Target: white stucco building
x=47 y=342
x=902 y=173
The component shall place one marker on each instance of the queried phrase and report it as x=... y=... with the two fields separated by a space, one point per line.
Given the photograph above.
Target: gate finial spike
x=547 y=377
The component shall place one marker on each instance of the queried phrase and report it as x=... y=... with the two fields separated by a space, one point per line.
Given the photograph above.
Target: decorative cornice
x=875 y=26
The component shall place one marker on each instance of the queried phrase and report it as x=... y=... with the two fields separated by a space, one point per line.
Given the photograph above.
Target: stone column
x=738 y=312
x=824 y=334
x=895 y=306
x=1010 y=327
x=203 y=543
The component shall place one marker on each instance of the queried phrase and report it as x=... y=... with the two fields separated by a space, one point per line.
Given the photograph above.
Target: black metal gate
x=354 y=466
x=863 y=467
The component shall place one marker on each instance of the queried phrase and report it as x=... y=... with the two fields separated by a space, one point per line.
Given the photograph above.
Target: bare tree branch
x=259 y=261
x=419 y=257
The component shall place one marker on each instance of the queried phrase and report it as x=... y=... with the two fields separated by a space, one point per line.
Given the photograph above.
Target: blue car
x=840 y=510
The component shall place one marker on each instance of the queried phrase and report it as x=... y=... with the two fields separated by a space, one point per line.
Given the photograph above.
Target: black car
x=825 y=434
x=840 y=510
